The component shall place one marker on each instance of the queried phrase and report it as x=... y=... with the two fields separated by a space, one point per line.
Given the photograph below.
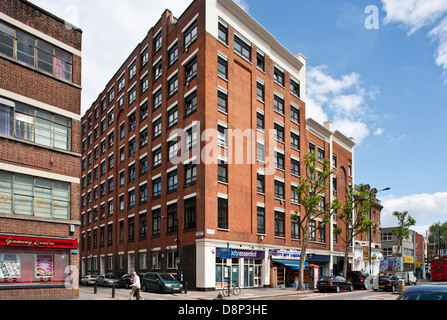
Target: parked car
x=89 y=279
x=388 y=282
x=106 y=280
x=161 y=282
x=334 y=283
x=425 y=292
x=357 y=278
x=125 y=281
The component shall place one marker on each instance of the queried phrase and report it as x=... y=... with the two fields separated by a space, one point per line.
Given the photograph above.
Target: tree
x=309 y=192
x=437 y=235
x=354 y=214
x=402 y=230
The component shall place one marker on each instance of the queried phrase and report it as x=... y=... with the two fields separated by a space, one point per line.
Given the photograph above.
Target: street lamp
x=370 y=218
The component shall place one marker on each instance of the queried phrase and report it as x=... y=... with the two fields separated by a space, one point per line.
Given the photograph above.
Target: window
x=222 y=101
x=158 y=40
x=260 y=91
x=222 y=213
x=172 y=180
x=122 y=178
x=279 y=160
x=172 y=116
x=295 y=141
x=143 y=165
x=157 y=70
x=261 y=220
x=260 y=61
x=111 y=94
x=172 y=218
x=172 y=149
x=191 y=70
x=156 y=128
x=173 y=54
x=260 y=152
x=321 y=232
x=294 y=196
x=320 y=154
x=156 y=157
x=156 y=187
x=222 y=171
x=221 y=136
x=295 y=88
x=295 y=229
x=295 y=167
x=312 y=230
x=190 y=213
x=278 y=76
x=122 y=155
x=144 y=57
x=121 y=198
x=35 y=125
x=131 y=226
x=242 y=48
x=132 y=198
x=144 y=111
x=191 y=138
x=190 y=173
x=132 y=147
x=260 y=183
x=222 y=34
x=35 y=52
x=132 y=173
x=190 y=34
x=143 y=225
x=191 y=103
x=279 y=224
x=132 y=70
x=260 y=121
x=144 y=83
x=222 y=67
x=311 y=147
x=34 y=196
x=294 y=114
x=157 y=99
x=173 y=85
x=279 y=189
x=278 y=104
x=279 y=132
x=156 y=222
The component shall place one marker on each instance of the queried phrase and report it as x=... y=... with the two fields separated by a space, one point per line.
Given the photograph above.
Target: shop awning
x=291 y=264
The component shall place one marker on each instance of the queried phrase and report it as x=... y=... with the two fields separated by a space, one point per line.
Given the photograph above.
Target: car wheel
x=351 y=288
x=337 y=289
x=144 y=287
x=392 y=288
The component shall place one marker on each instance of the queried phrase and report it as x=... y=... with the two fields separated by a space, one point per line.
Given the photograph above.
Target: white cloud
x=425 y=208
x=417 y=14
x=343 y=100
x=379 y=132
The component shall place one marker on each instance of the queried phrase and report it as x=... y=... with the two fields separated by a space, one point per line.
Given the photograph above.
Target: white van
x=408 y=276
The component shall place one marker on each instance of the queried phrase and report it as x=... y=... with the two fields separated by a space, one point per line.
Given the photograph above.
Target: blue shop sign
x=249 y=254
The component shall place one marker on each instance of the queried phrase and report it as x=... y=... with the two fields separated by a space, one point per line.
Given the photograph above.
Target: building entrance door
x=252 y=273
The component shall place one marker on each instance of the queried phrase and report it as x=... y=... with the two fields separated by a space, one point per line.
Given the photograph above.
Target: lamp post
x=370 y=218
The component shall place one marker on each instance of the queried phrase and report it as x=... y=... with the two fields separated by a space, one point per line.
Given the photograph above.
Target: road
x=344 y=295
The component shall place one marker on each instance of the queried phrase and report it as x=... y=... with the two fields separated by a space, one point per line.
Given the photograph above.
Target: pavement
x=87 y=293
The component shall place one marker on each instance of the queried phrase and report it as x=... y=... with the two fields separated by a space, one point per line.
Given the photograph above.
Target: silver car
x=89 y=279
x=106 y=280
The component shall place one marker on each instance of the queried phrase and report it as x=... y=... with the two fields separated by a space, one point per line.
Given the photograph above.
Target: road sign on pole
x=225 y=254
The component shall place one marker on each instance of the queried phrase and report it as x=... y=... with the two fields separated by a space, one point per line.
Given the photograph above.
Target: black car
x=334 y=283
x=125 y=281
x=425 y=292
x=357 y=278
x=389 y=282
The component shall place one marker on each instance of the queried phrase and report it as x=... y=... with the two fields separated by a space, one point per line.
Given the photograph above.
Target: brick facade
x=25 y=84
x=117 y=242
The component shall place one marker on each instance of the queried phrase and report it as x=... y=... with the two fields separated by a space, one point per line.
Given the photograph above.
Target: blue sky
x=386 y=87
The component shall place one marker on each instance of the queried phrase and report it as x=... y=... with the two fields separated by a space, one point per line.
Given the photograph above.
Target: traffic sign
x=225 y=253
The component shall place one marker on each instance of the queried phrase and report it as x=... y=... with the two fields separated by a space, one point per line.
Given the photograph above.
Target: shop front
x=28 y=262
x=244 y=268
x=284 y=271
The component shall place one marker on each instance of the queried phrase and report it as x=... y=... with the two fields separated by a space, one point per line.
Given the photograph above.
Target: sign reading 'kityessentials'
x=22 y=241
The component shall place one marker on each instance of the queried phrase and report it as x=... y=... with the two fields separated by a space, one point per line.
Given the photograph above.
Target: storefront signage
x=252 y=254
x=21 y=241
x=286 y=255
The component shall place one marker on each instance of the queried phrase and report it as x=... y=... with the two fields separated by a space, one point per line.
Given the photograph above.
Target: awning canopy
x=291 y=264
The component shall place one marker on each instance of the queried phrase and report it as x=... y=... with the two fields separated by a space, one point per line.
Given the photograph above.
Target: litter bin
x=401 y=285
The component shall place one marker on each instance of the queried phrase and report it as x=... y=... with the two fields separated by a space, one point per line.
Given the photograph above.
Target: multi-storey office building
x=195 y=146
x=40 y=95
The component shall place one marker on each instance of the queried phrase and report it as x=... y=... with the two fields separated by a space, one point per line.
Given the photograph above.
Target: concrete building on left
x=40 y=156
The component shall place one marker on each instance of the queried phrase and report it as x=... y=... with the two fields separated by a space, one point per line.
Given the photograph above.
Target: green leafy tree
x=309 y=192
x=405 y=221
x=354 y=215
x=438 y=235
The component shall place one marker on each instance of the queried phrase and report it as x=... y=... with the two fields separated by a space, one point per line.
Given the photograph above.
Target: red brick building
x=40 y=95
x=194 y=146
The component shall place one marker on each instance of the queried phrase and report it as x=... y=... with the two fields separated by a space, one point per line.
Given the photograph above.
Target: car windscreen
x=167 y=276
x=424 y=296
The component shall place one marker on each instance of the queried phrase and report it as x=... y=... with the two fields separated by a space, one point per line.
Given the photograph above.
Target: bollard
x=137 y=294
x=219 y=297
x=185 y=287
x=95 y=290
x=113 y=290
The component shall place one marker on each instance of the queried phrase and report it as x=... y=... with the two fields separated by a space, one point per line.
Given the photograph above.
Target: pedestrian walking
x=135 y=286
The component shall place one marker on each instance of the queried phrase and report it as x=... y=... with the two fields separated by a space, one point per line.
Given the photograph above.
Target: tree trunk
x=301 y=285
